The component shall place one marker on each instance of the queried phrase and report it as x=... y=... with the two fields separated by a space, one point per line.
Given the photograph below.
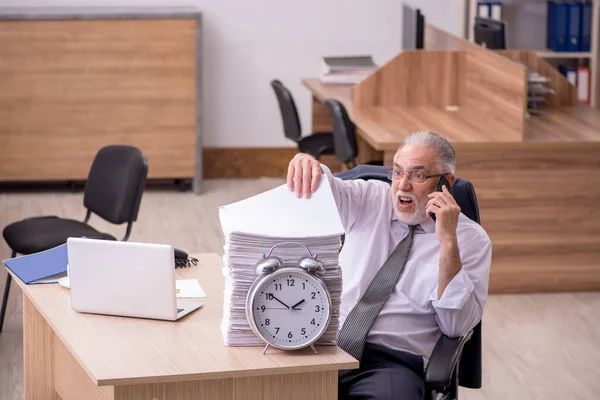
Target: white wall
x=448 y=15
x=248 y=43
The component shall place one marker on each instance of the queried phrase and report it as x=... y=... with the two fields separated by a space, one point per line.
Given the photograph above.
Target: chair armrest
x=443 y=361
x=320 y=151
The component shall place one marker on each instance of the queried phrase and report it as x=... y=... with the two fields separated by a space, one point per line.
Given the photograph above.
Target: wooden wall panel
x=68 y=88
x=496 y=88
x=537 y=203
x=438 y=39
x=414 y=78
x=254 y=162
x=566 y=94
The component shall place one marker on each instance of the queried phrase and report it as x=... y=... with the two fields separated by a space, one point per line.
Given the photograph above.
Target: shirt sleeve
x=350 y=197
x=461 y=306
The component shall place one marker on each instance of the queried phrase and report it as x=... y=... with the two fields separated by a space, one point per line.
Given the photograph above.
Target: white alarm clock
x=288 y=306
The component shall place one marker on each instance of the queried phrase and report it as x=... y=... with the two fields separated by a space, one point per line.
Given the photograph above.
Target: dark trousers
x=384 y=374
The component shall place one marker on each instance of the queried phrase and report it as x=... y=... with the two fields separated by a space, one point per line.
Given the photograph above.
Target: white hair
x=446 y=156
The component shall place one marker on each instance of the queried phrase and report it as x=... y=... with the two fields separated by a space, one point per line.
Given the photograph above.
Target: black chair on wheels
x=113 y=191
x=344 y=134
x=315 y=144
x=454 y=361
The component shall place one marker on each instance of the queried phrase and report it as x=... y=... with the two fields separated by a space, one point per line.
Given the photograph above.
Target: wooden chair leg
x=5 y=297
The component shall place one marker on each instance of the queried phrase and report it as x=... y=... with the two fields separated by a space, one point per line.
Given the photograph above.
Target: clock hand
x=297 y=304
x=288 y=307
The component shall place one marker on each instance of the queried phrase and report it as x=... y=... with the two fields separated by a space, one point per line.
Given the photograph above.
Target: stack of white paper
x=253 y=226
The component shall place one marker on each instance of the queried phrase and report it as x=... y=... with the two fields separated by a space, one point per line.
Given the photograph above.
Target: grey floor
x=541 y=346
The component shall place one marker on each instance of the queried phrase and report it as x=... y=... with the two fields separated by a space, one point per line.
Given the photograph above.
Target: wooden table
x=537 y=196
x=73 y=356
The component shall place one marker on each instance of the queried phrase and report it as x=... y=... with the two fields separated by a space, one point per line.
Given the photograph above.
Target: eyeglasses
x=418 y=177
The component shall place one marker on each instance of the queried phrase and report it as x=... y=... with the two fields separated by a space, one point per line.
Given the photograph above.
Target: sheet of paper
x=189 y=288
x=278 y=212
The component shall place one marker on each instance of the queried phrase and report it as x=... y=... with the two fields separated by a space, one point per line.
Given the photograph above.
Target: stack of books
x=346 y=70
x=253 y=226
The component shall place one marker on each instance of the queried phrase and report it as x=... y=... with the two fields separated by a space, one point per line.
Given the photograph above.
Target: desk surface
x=384 y=128
x=118 y=350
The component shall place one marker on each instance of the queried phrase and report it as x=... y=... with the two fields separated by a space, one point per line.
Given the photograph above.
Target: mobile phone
x=442 y=182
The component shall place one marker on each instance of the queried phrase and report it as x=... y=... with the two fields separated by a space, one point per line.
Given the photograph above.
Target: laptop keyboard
x=179 y=310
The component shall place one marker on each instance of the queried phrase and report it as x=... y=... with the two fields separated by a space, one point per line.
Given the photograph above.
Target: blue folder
x=573 y=26
x=557 y=25
x=42 y=267
x=586 y=26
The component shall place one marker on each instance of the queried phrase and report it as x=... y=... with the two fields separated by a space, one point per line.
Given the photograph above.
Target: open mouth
x=404 y=202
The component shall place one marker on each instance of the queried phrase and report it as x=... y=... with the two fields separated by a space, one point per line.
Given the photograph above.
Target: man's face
x=409 y=197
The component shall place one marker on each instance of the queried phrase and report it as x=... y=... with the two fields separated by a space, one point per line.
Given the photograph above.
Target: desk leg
x=310 y=385
x=38 y=354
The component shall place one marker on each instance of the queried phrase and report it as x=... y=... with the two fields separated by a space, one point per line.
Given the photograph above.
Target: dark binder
x=573 y=26
x=557 y=25
x=43 y=267
x=586 y=26
x=550 y=29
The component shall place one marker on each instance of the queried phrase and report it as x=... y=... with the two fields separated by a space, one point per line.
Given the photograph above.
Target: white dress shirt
x=413 y=318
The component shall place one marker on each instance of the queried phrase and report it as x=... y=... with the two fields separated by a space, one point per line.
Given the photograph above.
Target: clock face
x=290 y=308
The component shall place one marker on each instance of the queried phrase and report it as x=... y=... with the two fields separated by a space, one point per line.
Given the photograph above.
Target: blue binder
x=40 y=267
x=585 y=40
x=573 y=26
x=550 y=30
x=557 y=25
x=484 y=9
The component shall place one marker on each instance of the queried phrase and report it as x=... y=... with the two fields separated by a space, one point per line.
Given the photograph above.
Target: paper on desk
x=189 y=288
x=279 y=213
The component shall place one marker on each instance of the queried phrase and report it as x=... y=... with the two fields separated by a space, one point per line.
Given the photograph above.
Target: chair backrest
x=116 y=183
x=289 y=114
x=344 y=139
x=470 y=368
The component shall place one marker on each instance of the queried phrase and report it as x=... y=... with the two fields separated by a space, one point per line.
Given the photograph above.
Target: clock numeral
x=278 y=286
x=313 y=294
x=276 y=330
x=290 y=282
x=267 y=321
x=263 y=308
x=269 y=296
x=303 y=285
x=303 y=331
x=317 y=308
x=312 y=322
x=290 y=334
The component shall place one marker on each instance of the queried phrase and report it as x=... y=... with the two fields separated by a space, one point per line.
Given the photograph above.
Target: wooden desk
x=537 y=196
x=73 y=356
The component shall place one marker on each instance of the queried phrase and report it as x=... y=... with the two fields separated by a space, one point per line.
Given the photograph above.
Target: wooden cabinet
x=72 y=81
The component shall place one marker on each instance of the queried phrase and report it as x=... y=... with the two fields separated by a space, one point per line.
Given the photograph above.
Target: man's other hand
x=304 y=175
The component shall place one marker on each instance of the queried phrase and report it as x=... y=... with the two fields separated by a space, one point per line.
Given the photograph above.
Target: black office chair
x=344 y=139
x=344 y=134
x=315 y=144
x=454 y=361
x=113 y=191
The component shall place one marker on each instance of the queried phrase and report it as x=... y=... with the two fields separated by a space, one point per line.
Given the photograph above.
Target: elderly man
x=407 y=277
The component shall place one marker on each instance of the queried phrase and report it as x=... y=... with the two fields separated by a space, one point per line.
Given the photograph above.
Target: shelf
x=562 y=54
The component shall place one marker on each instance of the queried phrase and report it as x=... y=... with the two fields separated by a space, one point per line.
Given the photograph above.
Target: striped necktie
x=358 y=323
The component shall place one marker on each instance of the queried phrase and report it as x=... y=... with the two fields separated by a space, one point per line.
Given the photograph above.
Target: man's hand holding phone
x=446 y=210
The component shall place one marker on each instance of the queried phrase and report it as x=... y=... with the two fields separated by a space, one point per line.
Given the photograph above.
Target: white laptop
x=124 y=278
